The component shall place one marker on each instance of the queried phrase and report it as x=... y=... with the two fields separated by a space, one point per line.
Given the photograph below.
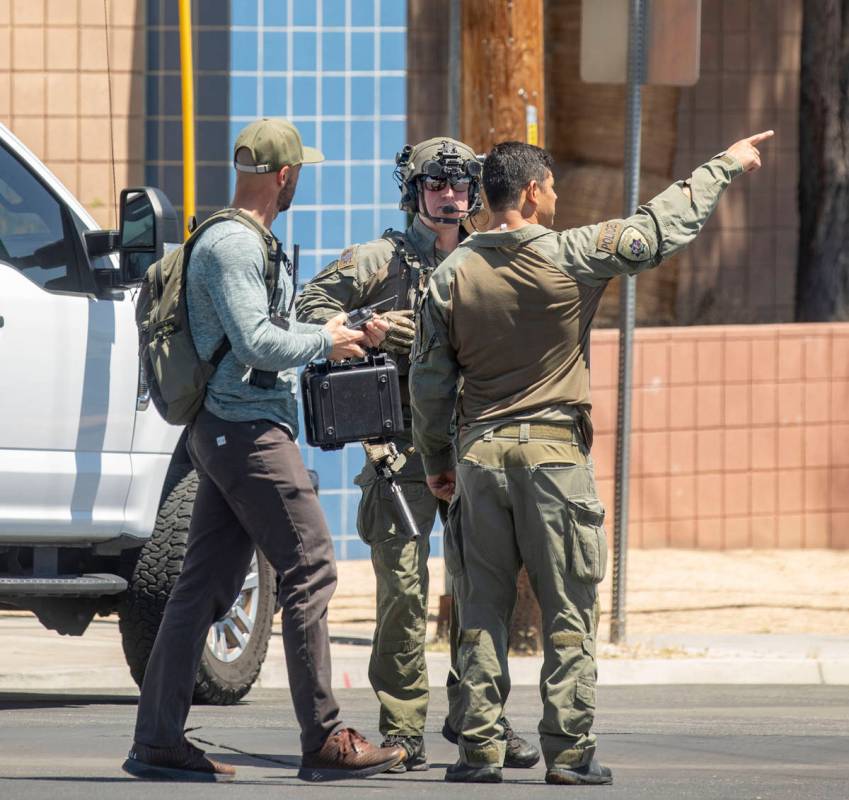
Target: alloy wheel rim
x=229 y=636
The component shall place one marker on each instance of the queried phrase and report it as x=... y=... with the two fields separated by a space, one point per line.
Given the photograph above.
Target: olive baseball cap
x=273 y=143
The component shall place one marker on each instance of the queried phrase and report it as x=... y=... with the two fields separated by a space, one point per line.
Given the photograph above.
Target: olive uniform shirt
x=365 y=274
x=510 y=313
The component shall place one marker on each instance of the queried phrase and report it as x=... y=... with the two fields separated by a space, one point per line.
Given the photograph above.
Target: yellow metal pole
x=187 y=78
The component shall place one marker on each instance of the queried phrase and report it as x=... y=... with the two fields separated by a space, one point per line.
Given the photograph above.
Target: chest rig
x=412 y=276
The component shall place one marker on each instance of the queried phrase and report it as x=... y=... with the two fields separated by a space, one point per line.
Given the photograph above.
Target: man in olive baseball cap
x=268 y=155
x=253 y=492
x=272 y=143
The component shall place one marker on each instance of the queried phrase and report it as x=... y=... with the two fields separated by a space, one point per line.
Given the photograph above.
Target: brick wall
x=740 y=435
x=742 y=269
x=54 y=91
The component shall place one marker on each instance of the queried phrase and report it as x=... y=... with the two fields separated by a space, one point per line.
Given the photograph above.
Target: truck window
x=34 y=229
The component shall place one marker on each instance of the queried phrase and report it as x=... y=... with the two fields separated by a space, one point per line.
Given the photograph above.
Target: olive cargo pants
x=526 y=494
x=397 y=670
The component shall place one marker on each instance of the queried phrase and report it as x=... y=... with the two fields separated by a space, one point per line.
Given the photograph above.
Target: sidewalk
x=766 y=617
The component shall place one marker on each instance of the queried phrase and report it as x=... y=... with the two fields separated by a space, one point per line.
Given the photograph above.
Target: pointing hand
x=746 y=150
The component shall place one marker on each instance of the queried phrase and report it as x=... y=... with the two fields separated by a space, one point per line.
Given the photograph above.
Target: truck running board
x=93 y=585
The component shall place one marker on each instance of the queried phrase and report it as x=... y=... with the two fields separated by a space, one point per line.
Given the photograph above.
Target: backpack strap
x=271 y=253
x=271 y=245
x=220 y=351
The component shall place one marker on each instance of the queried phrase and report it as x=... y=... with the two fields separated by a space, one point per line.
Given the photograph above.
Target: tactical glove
x=401 y=333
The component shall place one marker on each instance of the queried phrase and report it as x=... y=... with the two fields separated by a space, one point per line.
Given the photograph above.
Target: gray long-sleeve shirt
x=226 y=296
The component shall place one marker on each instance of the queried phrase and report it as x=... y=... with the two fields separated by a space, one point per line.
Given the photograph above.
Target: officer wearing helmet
x=439 y=181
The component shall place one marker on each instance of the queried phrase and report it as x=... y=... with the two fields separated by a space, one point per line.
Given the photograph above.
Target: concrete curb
x=352 y=673
x=37 y=661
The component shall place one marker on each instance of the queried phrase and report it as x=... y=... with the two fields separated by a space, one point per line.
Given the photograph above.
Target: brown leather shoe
x=346 y=754
x=182 y=762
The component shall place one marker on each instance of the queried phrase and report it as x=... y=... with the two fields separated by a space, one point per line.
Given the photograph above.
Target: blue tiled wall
x=337 y=69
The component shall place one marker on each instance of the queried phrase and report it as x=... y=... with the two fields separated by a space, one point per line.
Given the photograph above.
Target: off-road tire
x=154 y=575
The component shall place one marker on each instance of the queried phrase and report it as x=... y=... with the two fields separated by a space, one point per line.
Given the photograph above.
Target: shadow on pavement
x=70 y=779
x=241 y=758
x=19 y=700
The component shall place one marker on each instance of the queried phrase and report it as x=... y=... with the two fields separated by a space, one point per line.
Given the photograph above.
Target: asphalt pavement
x=662 y=742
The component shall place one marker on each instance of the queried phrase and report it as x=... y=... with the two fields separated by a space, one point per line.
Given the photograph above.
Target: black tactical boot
x=590 y=774
x=413 y=746
x=468 y=773
x=521 y=754
x=448 y=732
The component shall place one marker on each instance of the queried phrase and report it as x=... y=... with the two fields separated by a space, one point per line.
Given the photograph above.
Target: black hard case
x=351 y=402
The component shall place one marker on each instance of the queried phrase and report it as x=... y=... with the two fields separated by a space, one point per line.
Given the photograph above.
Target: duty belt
x=535 y=430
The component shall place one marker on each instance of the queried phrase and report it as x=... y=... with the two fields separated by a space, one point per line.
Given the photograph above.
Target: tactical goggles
x=460 y=183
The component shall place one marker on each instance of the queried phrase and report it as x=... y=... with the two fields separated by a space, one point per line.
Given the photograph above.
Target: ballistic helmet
x=435 y=160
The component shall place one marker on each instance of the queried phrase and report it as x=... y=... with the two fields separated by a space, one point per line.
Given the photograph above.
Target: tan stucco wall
x=54 y=91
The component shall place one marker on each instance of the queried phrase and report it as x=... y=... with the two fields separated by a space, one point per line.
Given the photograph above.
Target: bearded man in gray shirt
x=253 y=488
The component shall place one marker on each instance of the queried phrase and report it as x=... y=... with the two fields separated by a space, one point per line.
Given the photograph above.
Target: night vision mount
x=445 y=163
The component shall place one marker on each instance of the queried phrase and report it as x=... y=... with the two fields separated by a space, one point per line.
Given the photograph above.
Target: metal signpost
x=627 y=315
x=656 y=36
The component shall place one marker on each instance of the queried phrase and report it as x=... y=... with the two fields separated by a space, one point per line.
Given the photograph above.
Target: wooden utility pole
x=502 y=98
x=502 y=70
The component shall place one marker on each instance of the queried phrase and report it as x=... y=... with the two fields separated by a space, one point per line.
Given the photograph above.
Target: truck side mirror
x=148 y=226
x=101 y=243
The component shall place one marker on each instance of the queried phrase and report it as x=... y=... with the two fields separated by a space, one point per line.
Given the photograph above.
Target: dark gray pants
x=253 y=491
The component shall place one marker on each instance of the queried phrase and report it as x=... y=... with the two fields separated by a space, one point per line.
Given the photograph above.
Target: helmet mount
x=438 y=161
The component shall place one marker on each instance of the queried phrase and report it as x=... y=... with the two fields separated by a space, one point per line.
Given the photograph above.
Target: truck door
x=68 y=373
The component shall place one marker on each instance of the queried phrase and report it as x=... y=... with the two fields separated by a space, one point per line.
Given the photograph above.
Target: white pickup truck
x=96 y=490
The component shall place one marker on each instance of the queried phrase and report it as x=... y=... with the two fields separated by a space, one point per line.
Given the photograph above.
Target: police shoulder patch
x=633 y=245
x=608 y=236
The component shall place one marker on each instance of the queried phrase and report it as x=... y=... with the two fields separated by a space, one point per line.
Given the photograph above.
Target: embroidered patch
x=633 y=245
x=608 y=237
x=347 y=258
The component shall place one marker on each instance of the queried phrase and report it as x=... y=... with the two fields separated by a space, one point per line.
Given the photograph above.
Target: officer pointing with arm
x=509 y=312
x=440 y=185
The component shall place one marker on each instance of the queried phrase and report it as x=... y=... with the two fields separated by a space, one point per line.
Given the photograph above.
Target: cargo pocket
x=452 y=538
x=372 y=524
x=589 y=541
x=585 y=693
x=378 y=521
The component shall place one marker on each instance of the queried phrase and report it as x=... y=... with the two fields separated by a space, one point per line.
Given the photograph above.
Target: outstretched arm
x=661 y=227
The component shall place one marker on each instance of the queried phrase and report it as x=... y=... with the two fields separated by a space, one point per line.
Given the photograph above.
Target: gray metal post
x=627 y=312
x=455 y=57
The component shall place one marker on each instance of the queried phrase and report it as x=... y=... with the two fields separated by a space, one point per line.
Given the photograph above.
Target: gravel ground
x=676 y=591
